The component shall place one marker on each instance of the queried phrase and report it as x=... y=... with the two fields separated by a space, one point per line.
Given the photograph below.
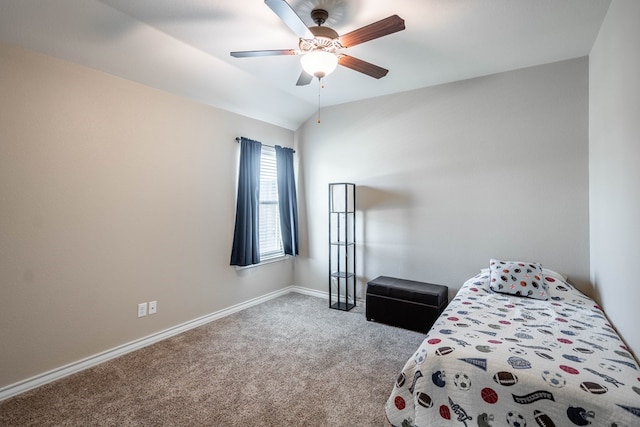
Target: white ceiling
x=182 y=46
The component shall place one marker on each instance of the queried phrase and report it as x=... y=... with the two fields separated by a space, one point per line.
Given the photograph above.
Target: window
x=266 y=225
x=269 y=235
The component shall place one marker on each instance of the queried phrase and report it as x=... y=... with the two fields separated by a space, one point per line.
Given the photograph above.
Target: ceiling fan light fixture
x=319 y=63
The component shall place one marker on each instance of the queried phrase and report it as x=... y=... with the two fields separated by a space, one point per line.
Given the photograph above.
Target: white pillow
x=545 y=271
x=524 y=279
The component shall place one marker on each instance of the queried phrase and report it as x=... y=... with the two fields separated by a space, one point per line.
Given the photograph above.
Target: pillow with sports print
x=523 y=279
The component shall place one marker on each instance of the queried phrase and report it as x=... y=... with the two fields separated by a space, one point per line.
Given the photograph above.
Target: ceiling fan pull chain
x=320 y=87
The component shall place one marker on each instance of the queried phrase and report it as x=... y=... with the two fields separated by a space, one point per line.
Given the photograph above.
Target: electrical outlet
x=153 y=307
x=142 y=309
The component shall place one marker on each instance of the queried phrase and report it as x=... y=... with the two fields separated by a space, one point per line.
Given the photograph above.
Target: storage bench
x=405 y=303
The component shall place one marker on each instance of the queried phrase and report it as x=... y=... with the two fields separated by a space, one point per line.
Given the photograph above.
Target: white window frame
x=270 y=236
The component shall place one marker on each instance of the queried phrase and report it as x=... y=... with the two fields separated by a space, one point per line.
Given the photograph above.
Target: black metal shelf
x=343 y=243
x=344 y=306
x=342 y=246
x=342 y=274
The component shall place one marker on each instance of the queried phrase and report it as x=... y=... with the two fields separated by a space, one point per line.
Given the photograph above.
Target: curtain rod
x=238 y=140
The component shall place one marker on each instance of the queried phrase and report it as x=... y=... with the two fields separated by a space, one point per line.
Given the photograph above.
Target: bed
x=508 y=353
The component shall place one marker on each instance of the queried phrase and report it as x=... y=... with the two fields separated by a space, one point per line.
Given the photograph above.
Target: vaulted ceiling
x=182 y=46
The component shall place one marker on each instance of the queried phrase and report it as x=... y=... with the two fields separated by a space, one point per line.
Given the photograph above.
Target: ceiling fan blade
x=304 y=79
x=252 y=53
x=290 y=17
x=378 y=29
x=362 y=66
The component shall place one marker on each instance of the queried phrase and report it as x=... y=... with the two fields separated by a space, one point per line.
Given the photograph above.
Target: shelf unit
x=342 y=246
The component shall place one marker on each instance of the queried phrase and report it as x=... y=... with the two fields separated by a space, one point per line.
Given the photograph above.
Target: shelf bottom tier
x=344 y=306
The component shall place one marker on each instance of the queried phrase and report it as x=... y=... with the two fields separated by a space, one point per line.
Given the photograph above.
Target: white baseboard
x=310 y=292
x=80 y=365
x=322 y=294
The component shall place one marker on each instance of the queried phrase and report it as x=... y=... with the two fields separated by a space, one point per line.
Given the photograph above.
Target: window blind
x=270 y=237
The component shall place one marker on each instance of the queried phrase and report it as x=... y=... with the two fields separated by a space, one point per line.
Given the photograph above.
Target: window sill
x=270 y=260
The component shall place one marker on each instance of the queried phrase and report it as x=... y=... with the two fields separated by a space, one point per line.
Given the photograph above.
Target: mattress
x=493 y=359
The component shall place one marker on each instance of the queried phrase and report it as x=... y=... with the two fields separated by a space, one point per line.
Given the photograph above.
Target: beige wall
x=111 y=194
x=614 y=165
x=452 y=175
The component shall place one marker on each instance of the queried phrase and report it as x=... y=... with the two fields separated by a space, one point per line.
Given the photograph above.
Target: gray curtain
x=287 y=200
x=246 y=250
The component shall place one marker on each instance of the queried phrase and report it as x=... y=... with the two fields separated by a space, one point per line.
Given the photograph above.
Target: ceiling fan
x=320 y=45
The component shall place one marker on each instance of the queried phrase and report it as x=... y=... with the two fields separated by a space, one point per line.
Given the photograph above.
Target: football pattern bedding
x=503 y=360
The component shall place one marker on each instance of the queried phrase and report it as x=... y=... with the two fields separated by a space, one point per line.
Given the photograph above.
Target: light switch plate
x=142 y=309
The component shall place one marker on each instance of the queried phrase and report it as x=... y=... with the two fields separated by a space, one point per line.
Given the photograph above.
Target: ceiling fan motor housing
x=325 y=38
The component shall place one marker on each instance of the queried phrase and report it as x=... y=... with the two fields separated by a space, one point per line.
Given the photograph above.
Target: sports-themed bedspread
x=500 y=360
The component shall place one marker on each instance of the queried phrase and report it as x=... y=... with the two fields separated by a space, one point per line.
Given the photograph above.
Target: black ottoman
x=405 y=303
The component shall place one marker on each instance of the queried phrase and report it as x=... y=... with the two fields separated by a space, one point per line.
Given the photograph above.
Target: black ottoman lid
x=409 y=290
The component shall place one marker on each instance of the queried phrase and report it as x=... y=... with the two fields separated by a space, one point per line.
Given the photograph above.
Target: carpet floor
x=290 y=361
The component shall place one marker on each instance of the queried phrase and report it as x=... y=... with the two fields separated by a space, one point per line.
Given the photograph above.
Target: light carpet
x=290 y=361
